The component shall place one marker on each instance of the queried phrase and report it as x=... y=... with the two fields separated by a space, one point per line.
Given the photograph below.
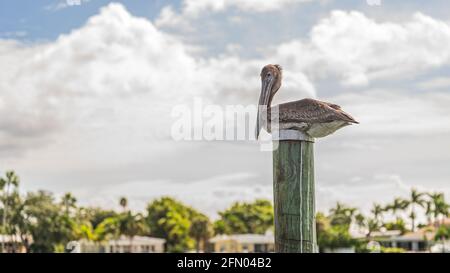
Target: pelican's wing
x=312 y=111
x=332 y=105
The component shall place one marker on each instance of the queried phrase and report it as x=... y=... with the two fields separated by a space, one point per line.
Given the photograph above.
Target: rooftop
x=245 y=238
x=137 y=240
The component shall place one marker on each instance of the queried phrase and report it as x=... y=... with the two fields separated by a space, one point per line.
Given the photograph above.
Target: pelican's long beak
x=263 y=105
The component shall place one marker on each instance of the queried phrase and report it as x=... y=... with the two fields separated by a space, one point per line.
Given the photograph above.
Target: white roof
x=245 y=238
x=6 y=238
x=411 y=236
x=137 y=240
x=12 y=238
x=375 y=234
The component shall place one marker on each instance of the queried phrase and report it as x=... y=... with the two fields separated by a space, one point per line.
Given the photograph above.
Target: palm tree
x=360 y=221
x=108 y=229
x=339 y=209
x=377 y=211
x=416 y=198
x=132 y=225
x=11 y=180
x=200 y=230
x=413 y=217
x=398 y=205
x=341 y=214
x=429 y=211
x=372 y=225
x=123 y=203
x=351 y=212
x=68 y=201
x=440 y=207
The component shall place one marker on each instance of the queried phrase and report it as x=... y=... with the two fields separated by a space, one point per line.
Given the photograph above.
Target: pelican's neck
x=270 y=101
x=264 y=115
x=266 y=120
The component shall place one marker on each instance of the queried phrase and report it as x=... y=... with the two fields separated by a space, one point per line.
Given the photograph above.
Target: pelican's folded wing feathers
x=312 y=111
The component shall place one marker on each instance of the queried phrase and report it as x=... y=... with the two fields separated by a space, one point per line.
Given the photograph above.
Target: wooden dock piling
x=294 y=201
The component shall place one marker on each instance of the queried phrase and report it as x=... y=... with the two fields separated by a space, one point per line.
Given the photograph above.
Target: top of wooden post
x=291 y=135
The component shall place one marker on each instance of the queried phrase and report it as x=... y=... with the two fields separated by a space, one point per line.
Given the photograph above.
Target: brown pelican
x=313 y=117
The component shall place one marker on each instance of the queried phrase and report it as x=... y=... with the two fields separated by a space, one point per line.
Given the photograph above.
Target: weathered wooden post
x=293 y=187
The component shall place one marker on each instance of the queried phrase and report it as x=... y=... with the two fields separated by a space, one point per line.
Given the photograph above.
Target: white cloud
x=169 y=18
x=358 y=49
x=192 y=9
x=394 y=112
x=350 y=46
x=195 y=7
x=217 y=191
x=115 y=83
x=381 y=187
x=65 y=4
x=435 y=83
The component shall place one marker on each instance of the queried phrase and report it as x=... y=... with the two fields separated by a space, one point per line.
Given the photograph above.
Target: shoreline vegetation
x=39 y=222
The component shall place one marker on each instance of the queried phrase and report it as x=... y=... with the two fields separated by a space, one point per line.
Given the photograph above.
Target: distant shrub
x=392 y=250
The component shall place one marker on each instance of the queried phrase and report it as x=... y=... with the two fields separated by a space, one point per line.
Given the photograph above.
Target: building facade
x=138 y=244
x=244 y=243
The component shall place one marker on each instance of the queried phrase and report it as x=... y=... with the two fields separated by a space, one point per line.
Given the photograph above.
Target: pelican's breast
x=324 y=129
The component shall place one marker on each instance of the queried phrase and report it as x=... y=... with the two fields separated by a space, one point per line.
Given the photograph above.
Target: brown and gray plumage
x=313 y=117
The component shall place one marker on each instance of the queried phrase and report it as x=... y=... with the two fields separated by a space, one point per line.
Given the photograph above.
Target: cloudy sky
x=87 y=92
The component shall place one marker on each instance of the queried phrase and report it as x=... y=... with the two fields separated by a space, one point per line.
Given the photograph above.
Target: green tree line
x=43 y=223
x=334 y=229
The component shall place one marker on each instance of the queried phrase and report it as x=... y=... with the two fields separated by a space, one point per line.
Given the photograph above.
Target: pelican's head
x=271 y=75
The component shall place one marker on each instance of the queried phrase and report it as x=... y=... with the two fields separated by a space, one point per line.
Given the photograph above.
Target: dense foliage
x=241 y=218
x=177 y=223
